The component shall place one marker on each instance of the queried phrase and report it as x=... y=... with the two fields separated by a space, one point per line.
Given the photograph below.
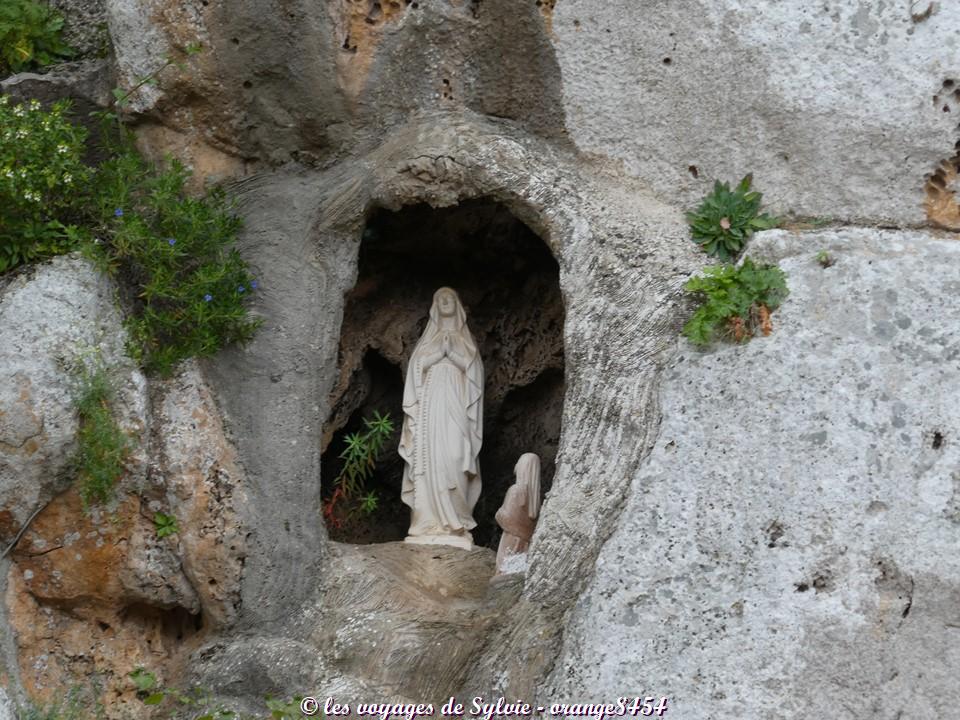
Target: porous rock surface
x=789 y=547
x=94 y=592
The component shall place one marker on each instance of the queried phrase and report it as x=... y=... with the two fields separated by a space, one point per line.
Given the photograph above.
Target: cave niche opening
x=509 y=284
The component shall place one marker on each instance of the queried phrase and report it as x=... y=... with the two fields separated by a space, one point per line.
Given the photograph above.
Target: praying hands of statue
x=458 y=359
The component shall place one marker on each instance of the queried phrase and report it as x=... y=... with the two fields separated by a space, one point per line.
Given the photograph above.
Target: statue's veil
x=527 y=471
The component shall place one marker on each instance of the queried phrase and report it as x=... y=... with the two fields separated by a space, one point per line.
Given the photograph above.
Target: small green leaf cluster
x=30 y=35
x=360 y=455
x=734 y=300
x=151 y=693
x=825 y=259
x=165 y=525
x=71 y=706
x=177 y=251
x=42 y=181
x=198 y=703
x=285 y=709
x=102 y=446
x=727 y=218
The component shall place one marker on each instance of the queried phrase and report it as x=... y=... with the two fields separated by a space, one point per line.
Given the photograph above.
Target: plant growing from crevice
x=825 y=259
x=360 y=455
x=177 y=252
x=736 y=301
x=30 y=35
x=165 y=525
x=122 y=97
x=727 y=218
x=102 y=446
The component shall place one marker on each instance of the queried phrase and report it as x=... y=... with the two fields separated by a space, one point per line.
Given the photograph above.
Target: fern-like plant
x=30 y=35
x=727 y=218
x=360 y=457
x=736 y=301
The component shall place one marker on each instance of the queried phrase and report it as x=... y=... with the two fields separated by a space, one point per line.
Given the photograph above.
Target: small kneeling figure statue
x=521 y=507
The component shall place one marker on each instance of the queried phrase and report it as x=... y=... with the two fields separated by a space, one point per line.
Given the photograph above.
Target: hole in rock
x=508 y=283
x=937 y=440
x=167 y=626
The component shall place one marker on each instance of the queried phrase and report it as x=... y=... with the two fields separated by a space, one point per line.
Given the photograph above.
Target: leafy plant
x=165 y=525
x=736 y=301
x=177 y=252
x=151 y=693
x=42 y=181
x=727 y=218
x=103 y=447
x=825 y=259
x=143 y=679
x=360 y=457
x=174 y=253
x=73 y=705
x=30 y=35
x=284 y=710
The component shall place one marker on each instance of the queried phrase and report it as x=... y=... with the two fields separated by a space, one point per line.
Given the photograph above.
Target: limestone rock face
x=790 y=545
x=828 y=106
x=313 y=80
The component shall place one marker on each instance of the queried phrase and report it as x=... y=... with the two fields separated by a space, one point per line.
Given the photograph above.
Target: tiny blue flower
x=171 y=242
x=118 y=212
x=241 y=289
x=254 y=284
x=208 y=297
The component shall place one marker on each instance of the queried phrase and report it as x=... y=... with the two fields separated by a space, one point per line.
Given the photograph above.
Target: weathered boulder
x=314 y=82
x=789 y=547
x=96 y=591
x=52 y=318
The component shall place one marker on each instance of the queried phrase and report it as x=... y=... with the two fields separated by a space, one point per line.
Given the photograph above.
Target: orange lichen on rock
x=76 y=609
x=359 y=25
x=546 y=9
x=942 y=204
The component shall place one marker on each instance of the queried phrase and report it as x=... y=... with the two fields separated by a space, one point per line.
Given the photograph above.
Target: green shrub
x=727 y=218
x=736 y=301
x=360 y=457
x=30 y=35
x=176 y=252
x=103 y=447
x=42 y=181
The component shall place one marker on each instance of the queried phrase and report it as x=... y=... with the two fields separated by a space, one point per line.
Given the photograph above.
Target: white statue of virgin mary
x=442 y=427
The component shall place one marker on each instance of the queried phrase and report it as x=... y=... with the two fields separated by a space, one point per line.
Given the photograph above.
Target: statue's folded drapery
x=443 y=425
